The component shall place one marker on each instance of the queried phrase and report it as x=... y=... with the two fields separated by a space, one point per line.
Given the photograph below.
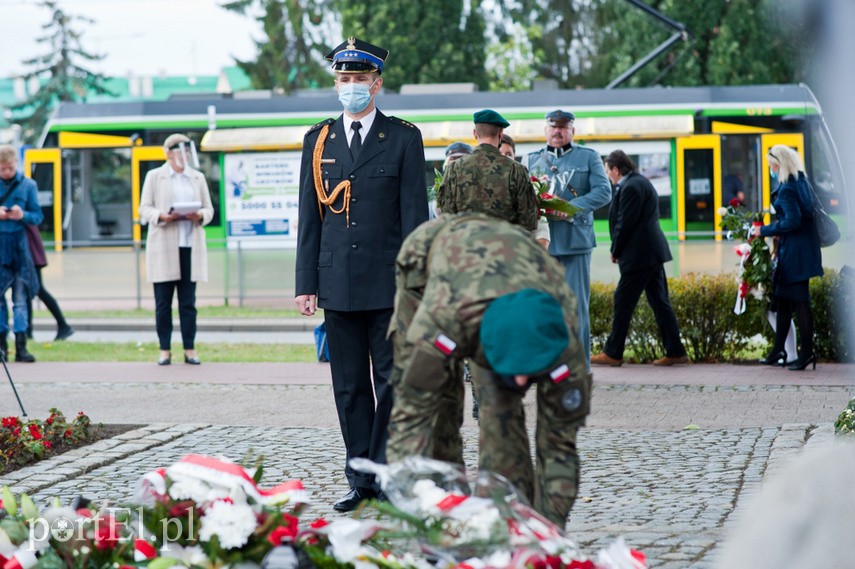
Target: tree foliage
x=289 y=56
x=62 y=77
x=562 y=35
x=428 y=42
x=731 y=42
x=577 y=43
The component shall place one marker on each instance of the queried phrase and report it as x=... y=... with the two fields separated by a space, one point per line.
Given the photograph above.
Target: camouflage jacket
x=448 y=272
x=487 y=182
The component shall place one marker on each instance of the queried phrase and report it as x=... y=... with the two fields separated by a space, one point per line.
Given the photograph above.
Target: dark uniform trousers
x=653 y=282
x=363 y=408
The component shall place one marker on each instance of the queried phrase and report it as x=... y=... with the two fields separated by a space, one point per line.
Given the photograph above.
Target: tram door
x=143 y=159
x=44 y=165
x=794 y=140
x=698 y=185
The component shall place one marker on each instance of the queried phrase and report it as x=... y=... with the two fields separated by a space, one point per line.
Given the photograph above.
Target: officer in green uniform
x=487 y=182
x=576 y=174
x=472 y=286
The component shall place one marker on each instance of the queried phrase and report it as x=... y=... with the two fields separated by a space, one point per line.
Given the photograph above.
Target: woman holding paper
x=175 y=204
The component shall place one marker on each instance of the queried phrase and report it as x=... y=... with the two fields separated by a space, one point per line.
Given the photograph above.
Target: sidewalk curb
x=69 y=465
x=202 y=325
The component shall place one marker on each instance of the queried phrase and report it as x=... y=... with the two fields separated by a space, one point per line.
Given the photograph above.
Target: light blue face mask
x=774 y=175
x=355 y=96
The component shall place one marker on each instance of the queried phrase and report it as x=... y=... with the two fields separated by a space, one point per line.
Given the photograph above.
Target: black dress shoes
x=775 y=359
x=63 y=332
x=192 y=361
x=353 y=498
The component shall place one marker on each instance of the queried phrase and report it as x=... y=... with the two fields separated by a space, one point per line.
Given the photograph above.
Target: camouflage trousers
x=552 y=486
x=427 y=413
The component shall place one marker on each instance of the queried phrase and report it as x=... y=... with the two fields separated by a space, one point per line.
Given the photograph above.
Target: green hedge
x=711 y=332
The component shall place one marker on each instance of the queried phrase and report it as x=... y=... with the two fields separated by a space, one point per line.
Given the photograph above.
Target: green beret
x=523 y=333
x=490 y=117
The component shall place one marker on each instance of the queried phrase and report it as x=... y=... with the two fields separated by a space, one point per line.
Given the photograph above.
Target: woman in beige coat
x=176 y=253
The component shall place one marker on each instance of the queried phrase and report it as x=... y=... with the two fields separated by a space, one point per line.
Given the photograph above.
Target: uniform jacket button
x=352 y=176
x=354 y=246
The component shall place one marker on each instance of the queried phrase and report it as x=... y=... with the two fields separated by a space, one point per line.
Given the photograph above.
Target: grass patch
x=149 y=351
x=203 y=312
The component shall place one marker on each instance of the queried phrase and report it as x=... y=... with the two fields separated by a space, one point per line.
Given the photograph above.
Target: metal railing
x=90 y=277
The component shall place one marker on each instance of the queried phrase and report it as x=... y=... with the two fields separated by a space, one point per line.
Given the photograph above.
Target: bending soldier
x=472 y=286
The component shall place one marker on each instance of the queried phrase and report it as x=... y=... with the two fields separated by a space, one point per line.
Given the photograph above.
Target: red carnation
x=106 y=533
x=734 y=203
x=10 y=421
x=319 y=523
x=34 y=432
x=47 y=444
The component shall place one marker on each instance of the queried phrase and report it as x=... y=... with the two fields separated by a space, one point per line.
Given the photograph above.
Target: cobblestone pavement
x=671 y=491
x=670 y=494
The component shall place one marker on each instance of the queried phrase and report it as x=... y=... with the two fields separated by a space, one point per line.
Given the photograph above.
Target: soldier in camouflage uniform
x=487 y=182
x=472 y=286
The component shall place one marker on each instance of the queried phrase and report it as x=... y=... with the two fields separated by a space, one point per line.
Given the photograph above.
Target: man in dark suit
x=640 y=250
x=362 y=191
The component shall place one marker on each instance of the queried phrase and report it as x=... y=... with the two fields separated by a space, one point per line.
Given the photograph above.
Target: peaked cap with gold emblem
x=357 y=56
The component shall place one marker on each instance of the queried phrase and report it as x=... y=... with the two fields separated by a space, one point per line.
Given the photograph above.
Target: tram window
x=699 y=185
x=821 y=171
x=42 y=175
x=656 y=167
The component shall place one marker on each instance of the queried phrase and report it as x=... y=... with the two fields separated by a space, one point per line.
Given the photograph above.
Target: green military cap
x=488 y=116
x=523 y=332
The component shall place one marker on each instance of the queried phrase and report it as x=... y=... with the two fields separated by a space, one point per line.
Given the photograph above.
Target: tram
x=694 y=143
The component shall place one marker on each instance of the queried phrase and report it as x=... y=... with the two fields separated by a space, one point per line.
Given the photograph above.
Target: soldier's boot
x=4 y=347
x=21 y=353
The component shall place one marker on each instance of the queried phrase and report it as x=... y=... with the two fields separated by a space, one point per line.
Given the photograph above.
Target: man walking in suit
x=362 y=191
x=640 y=250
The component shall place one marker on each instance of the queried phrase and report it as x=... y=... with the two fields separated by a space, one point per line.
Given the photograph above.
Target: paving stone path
x=670 y=494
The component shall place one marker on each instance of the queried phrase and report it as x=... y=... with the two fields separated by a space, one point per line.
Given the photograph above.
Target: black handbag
x=826 y=229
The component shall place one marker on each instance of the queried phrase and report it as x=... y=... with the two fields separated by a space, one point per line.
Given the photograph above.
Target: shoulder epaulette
x=402 y=122
x=320 y=125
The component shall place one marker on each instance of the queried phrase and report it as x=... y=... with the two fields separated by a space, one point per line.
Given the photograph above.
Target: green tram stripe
x=128 y=123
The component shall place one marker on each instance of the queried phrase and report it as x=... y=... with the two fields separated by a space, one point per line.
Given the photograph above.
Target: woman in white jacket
x=176 y=204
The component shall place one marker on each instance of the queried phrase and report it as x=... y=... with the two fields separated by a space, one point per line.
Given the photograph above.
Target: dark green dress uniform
x=449 y=272
x=487 y=182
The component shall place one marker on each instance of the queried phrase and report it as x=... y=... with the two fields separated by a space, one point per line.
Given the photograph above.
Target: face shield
x=184 y=154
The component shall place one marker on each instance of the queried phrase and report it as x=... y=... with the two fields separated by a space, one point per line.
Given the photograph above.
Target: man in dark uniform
x=487 y=182
x=640 y=250
x=474 y=286
x=362 y=190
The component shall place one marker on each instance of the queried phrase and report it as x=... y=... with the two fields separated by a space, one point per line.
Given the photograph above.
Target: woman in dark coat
x=798 y=254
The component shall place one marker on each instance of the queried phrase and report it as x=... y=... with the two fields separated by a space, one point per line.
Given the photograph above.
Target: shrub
x=25 y=442
x=712 y=332
x=832 y=304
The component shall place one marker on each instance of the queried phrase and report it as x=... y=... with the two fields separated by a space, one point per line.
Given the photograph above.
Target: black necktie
x=356 y=141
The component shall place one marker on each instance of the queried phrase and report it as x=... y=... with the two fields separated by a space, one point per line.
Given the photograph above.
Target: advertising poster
x=261 y=199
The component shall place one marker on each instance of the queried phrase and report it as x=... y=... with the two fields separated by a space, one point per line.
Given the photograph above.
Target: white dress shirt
x=182 y=191
x=365 y=121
